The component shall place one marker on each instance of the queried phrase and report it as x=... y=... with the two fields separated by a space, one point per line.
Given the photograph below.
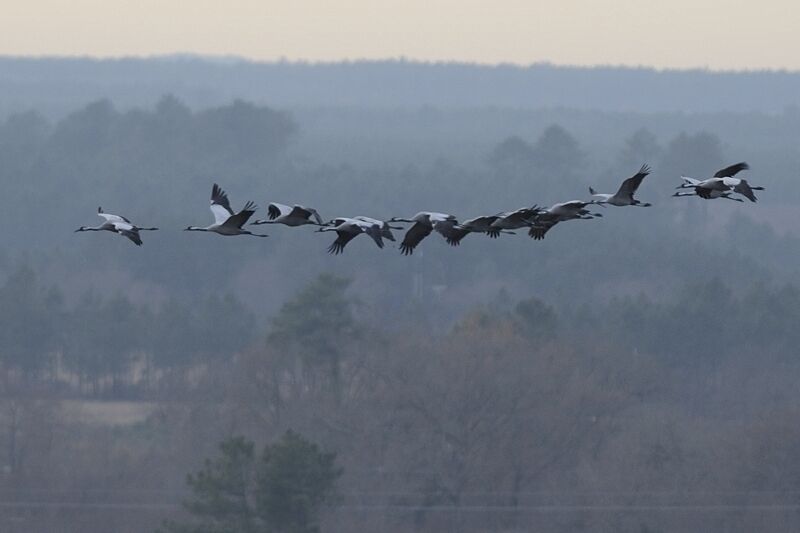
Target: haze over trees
x=279 y=490
x=631 y=373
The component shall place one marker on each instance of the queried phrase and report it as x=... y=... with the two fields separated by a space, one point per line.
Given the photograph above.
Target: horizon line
x=234 y=59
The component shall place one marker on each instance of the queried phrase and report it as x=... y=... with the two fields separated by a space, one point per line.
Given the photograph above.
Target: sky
x=716 y=34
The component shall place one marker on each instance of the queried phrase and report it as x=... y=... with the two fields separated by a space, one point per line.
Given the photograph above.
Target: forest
x=635 y=372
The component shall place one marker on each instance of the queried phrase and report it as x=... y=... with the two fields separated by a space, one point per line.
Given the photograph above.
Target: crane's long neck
x=259 y=222
x=147 y=229
x=90 y=228
x=195 y=228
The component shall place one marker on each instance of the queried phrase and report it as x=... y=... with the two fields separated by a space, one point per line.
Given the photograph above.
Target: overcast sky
x=720 y=34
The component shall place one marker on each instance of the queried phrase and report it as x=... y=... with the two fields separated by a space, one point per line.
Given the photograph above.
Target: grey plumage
x=117 y=224
x=226 y=222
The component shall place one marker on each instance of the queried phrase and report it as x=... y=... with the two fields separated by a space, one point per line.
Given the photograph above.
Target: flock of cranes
x=538 y=221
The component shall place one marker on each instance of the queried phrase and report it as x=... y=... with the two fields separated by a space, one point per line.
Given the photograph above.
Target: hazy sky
x=721 y=34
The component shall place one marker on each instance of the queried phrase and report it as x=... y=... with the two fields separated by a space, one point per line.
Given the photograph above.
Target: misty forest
x=633 y=373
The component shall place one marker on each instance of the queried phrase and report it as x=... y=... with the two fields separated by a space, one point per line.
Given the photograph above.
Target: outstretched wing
x=541 y=227
x=520 y=218
x=732 y=170
x=414 y=236
x=275 y=210
x=128 y=230
x=374 y=231
x=386 y=232
x=220 y=205
x=239 y=219
x=314 y=214
x=629 y=186
x=133 y=235
x=573 y=205
x=343 y=237
x=304 y=212
x=111 y=218
x=744 y=189
x=451 y=232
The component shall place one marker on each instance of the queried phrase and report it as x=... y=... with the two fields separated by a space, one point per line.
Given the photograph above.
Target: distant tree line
x=111 y=345
x=99 y=344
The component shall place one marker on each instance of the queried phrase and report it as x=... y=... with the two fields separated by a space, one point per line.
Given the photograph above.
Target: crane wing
x=315 y=215
x=629 y=186
x=414 y=236
x=239 y=219
x=275 y=210
x=345 y=234
x=304 y=212
x=111 y=218
x=128 y=230
x=451 y=233
x=220 y=205
x=374 y=231
x=540 y=229
x=744 y=189
x=732 y=170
